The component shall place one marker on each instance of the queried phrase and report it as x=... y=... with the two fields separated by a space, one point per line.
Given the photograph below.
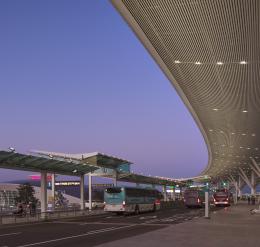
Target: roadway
x=92 y=230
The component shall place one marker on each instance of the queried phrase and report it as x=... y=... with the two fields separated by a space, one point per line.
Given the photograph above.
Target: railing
x=45 y=216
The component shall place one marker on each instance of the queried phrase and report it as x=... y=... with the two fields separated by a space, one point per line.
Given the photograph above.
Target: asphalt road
x=92 y=230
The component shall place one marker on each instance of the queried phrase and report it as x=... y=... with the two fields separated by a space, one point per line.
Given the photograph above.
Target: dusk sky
x=74 y=78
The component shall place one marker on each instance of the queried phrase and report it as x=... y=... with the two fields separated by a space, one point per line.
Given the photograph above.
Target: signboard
x=67 y=183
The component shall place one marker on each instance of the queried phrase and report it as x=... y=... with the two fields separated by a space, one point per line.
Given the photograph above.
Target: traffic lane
x=42 y=232
x=76 y=227
x=55 y=234
x=93 y=238
x=117 y=219
x=176 y=215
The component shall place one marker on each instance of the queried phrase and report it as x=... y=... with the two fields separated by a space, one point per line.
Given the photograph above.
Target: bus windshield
x=114 y=195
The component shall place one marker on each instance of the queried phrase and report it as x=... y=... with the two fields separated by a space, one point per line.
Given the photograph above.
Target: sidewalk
x=233 y=226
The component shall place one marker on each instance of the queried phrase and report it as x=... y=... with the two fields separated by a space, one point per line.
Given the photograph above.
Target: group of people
x=251 y=200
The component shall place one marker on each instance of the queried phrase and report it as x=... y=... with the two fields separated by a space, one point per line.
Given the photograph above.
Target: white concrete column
x=236 y=192
x=90 y=191
x=173 y=194
x=164 y=193
x=82 y=192
x=253 y=183
x=53 y=190
x=239 y=186
x=43 y=192
x=115 y=178
x=207 y=204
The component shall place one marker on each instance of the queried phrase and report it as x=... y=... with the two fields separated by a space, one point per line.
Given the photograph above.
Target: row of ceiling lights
x=233 y=133
x=217 y=109
x=223 y=145
x=218 y=63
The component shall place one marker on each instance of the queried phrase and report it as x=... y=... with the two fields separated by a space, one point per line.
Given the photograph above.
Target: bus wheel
x=137 y=211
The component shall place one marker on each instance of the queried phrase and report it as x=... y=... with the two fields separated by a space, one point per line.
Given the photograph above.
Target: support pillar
x=236 y=192
x=239 y=186
x=53 y=191
x=82 y=192
x=115 y=179
x=173 y=194
x=164 y=193
x=253 y=183
x=207 y=205
x=43 y=193
x=90 y=191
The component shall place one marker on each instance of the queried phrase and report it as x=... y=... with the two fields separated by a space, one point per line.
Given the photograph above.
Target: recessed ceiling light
x=253 y=134
x=232 y=133
x=198 y=63
x=219 y=63
x=215 y=109
x=243 y=62
x=244 y=111
x=177 y=61
x=243 y=134
x=248 y=148
x=240 y=147
x=210 y=130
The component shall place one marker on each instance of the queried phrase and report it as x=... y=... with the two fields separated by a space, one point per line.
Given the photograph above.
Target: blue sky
x=74 y=78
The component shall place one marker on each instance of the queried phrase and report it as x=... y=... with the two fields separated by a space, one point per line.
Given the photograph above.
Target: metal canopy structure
x=94 y=158
x=76 y=165
x=12 y=160
x=141 y=179
x=209 y=50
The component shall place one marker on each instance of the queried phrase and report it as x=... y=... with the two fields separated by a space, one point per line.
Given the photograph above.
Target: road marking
x=77 y=236
x=66 y=222
x=9 y=234
x=148 y=217
x=105 y=223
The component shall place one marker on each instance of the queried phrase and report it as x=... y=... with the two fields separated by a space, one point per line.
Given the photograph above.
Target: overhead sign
x=67 y=183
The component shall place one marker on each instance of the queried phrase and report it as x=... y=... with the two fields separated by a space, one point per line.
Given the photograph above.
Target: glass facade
x=7 y=198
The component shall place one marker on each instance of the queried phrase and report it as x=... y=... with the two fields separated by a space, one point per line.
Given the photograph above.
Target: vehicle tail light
x=157 y=201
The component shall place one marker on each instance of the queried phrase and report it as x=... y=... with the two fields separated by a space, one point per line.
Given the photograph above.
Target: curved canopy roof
x=209 y=50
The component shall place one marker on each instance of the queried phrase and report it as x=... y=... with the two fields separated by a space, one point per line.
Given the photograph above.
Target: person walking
x=248 y=200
